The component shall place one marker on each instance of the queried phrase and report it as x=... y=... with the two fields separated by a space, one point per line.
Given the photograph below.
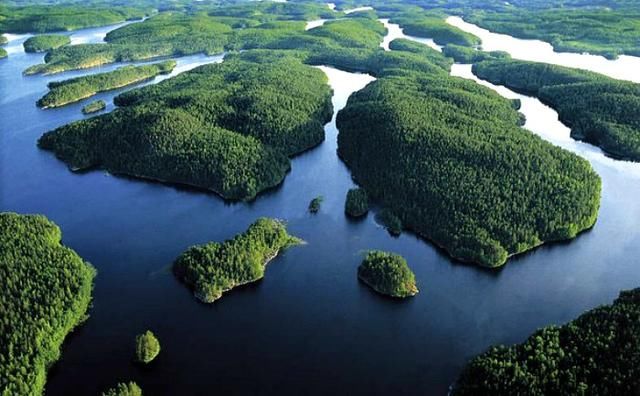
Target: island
x=215 y=268
x=46 y=291
x=147 y=347
x=433 y=25
x=600 y=110
x=228 y=128
x=45 y=42
x=314 y=205
x=74 y=89
x=94 y=107
x=596 y=354
x=357 y=203
x=388 y=274
x=122 y=389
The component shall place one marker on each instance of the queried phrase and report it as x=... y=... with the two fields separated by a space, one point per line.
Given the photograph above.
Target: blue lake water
x=310 y=327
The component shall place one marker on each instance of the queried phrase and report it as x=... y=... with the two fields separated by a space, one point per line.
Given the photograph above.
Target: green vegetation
x=122 y=389
x=43 y=19
x=45 y=42
x=599 y=109
x=596 y=354
x=3 y=53
x=3 y=39
x=215 y=268
x=357 y=203
x=147 y=347
x=470 y=55
x=434 y=26
x=388 y=273
x=596 y=30
x=45 y=293
x=68 y=91
x=227 y=127
x=390 y=221
x=314 y=205
x=94 y=107
x=457 y=169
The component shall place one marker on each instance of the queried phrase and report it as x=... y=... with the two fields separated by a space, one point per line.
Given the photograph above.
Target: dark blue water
x=309 y=327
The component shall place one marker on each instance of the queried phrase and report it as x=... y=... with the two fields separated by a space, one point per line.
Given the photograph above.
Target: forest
x=124 y=389
x=3 y=53
x=45 y=42
x=147 y=347
x=458 y=168
x=46 y=291
x=228 y=127
x=422 y=24
x=600 y=110
x=214 y=268
x=94 y=107
x=596 y=354
x=388 y=274
x=357 y=203
x=72 y=90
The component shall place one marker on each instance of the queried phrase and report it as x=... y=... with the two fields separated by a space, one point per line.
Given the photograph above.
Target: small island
x=214 y=268
x=94 y=107
x=72 y=90
x=357 y=203
x=45 y=42
x=147 y=347
x=388 y=274
x=45 y=294
x=596 y=354
x=122 y=389
x=314 y=205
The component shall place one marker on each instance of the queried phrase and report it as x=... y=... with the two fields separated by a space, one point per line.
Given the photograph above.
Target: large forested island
x=388 y=274
x=45 y=293
x=601 y=110
x=72 y=90
x=45 y=42
x=215 y=268
x=228 y=127
x=596 y=354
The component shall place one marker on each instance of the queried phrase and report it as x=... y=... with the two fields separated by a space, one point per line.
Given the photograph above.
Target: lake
x=309 y=327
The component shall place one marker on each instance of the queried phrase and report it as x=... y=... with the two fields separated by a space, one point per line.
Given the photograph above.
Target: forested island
x=596 y=354
x=228 y=127
x=147 y=347
x=124 y=389
x=600 y=110
x=72 y=90
x=94 y=107
x=430 y=25
x=45 y=293
x=214 y=268
x=357 y=202
x=45 y=42
x=388 y=274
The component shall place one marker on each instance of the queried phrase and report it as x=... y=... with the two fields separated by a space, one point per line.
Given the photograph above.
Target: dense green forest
x=357 y=202
x=147 y=347
x=215 y=268
x=45 y=42
x=463 y=54
x=315 y=204
x=72 y=90
x=94 y=107
x=388 y=273
x=458 y=169
x=435 y=27
x=43 y=19
x=45 y=293
x=596 y=30
x=3 y=53
x=122 y=389
x=596 y=354
x=224 y=127
x=599 y=109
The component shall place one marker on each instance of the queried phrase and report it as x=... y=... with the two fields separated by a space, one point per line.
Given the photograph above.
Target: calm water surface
x=309 y=327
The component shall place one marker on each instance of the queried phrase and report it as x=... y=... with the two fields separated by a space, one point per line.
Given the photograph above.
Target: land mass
x=45 y=42
x=388 y=274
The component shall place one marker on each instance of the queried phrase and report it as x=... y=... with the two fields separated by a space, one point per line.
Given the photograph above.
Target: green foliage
x=392 y=223
x=3 y=39
x=595 y=30
x=314 y=205
x=388 y=273
x=45 y=293
x=470 y=55
x=94 y=107
x=434 y=27
x=45 y=42
x=357 y=203
x=147 y=347
x=42 y=19
x=72 y=90
x=122 y=389
x=224 y=127
x=596 y=354
x=599 y=109
x=215 y=268
x=3 y=53
x=446 y=156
